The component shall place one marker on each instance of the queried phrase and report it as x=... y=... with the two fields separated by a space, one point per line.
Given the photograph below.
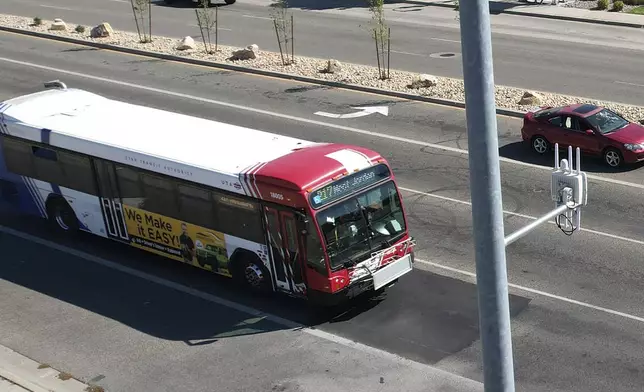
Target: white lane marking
x=279 y=320
x=230 y=304
x=57 y=7
x=539 y=292
x=120 y=1
x=303 y=120
x=220 y=28
x=256 y=17
x=408 y=53
x=583 y=229
x=444 y=40
x=627 y=83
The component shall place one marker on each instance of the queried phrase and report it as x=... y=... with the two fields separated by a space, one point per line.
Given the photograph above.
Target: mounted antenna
x=557 y=158
x=56 y=84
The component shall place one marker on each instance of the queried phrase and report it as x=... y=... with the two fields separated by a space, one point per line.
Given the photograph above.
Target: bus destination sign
x=340 y=188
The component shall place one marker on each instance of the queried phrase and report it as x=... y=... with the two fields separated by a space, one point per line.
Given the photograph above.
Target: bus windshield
x=365 y=223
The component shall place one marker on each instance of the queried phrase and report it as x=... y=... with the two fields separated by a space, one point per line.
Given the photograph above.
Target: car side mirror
x=590 y=132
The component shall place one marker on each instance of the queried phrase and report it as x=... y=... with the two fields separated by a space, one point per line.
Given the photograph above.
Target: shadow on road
x=496 y=7
x=185 y=4
x=425 y=317
x=521 y=152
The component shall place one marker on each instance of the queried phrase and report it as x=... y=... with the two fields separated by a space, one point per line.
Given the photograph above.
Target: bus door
x=110 y=200
x=286 y=249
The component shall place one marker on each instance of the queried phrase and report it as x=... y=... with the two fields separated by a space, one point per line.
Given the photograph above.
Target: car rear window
x=547 y=112
x=585 y=108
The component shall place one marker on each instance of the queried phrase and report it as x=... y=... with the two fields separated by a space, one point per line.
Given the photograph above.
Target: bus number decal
x=277 y=196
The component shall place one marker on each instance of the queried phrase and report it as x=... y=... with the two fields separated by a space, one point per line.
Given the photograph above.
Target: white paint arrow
x=364 y=111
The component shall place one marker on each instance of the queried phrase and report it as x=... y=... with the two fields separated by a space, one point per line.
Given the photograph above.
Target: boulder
x=531 y=98
x=186 y=43
x=332 y=66
x=102 y=30
x=424 y=81
x=248 y=53
x=642 y=121
x=58 y=25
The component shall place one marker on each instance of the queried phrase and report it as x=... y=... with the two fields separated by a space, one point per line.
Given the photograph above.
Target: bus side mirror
x=303 y=223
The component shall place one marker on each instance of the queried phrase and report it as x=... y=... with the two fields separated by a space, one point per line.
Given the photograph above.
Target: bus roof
x=201 y=150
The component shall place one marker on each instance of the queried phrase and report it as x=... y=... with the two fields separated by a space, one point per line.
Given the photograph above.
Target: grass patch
x=637 y=10
x=94 y=388
x=64 y=376
x=43 y=366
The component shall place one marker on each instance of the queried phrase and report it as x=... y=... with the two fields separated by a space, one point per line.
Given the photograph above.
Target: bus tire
x=61 y=216
x=249 y=272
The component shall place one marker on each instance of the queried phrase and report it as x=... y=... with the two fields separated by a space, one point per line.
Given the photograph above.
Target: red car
x=594 y=129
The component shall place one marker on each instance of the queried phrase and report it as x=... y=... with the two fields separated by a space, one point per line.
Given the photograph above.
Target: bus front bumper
x=380 y=280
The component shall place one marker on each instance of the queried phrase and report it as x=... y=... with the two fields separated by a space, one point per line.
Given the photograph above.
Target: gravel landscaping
x=447 y=88
x=592 y=5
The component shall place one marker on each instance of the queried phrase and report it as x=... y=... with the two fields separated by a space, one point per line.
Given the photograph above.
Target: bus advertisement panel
x=178 y=240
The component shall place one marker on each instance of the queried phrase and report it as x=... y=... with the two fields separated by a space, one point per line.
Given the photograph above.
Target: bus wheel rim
x=254 y=275
x=60 y=219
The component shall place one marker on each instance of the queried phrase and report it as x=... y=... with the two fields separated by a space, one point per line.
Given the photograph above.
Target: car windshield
x=606 y=121
x=362 y=224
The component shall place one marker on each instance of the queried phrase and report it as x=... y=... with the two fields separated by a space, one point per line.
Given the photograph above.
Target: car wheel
x=230 y=1
x=612 y=157
x=540 y=145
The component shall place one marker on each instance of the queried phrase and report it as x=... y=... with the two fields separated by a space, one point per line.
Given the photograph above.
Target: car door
x=553 y=129
x=574 y=134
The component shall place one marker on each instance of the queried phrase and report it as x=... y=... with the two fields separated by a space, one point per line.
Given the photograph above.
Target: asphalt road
x=431 y=316
x=587 y=60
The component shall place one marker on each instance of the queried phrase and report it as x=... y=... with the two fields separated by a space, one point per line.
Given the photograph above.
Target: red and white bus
x=321 y=221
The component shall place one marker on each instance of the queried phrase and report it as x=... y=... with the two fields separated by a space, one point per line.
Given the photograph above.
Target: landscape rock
x=332 y=66
x=186 y=43
x=642 y=121
x=58 y=25
x=424 y=81
x=248 y=53
x=101 y=31
x=531 y=98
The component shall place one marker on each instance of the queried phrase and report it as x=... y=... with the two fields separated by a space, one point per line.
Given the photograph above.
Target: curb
x=274 y=74
x=34 y=376
x=575 y=19
x=538 y=15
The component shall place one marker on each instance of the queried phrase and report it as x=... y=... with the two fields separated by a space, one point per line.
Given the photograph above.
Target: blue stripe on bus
x=45 y=137
x=36 y=195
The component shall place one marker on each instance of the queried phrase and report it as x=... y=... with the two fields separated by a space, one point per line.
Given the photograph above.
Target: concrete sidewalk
x=551 y=11
x=20 y=374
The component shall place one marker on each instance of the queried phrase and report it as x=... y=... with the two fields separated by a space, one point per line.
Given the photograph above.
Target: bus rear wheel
x=61 y=216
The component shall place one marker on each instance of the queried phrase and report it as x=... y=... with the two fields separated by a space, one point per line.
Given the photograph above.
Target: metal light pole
x=485 y=185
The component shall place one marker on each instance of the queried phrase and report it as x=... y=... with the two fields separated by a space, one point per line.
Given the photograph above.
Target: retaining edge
x=256 y=71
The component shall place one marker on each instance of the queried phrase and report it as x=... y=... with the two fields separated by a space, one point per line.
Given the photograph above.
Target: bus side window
x=129 y=186
x=314 y=251
x=196 y=206
x=47 y=167
x=160 y=195
x=17 y=157
x=78 y=172
x=238 y=217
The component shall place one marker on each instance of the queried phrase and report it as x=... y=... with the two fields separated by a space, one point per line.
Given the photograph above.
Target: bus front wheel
x=61 y=216
x=253 y=275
